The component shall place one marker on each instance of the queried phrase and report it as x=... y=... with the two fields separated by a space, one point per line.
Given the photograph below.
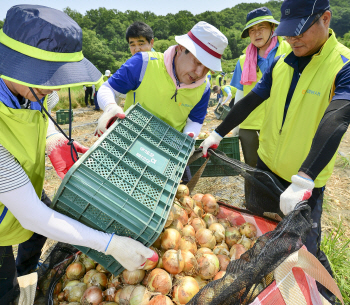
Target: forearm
x=227 y=99
x=329 y=133
x=192 y=127
x=239 y=112
x=35 y=216
x=107 y=95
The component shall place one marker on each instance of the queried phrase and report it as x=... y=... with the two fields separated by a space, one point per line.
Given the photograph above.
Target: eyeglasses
x=317 y=17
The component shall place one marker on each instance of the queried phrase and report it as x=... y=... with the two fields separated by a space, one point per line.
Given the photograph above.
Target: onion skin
x=170 y=239
x=221 y=249
x=88 y=275
x=158 y=242
x=190 y=263
x=161 y=300
x=182 y=217
x=140 y=296
x=225 y=222
x=232 y=236
x=184 y=290
x=100 y=280
x=198 y=223
x=125 y=294
x=209 y=219
x=188 y=243
x=197 y=212
x=248 y=229
x=170 y=219
x=206 y=238
x=172 y=261
x=117 y=296
x=76 y=292
x=224 y=260
x=187 y=203
x=159 y=281
x=208 y=265
x=88 y=262
x=202 y=251
x=197 y=198
x=200 y=281
x=210 y=205
x=219 y=275
x=177 y=225
x=236 y=251
x=92 y=296
x=246 y=242
x=182 y=190
x=218 y=231
x=133 y=277
x=75 y=271
x=188 y=230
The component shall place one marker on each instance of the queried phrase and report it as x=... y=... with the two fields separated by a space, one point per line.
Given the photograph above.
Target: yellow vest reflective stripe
x=233 y=90
x=23 y=134
x=284 y=148
x=255 y=119
x=156 y=90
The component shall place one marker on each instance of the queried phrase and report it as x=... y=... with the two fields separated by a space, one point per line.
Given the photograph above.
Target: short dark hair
x=138 y=29
x=216 y=88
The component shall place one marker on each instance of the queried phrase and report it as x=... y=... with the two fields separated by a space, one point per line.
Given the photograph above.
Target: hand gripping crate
x=62 y=116
x=215 y=167
x=127 y=181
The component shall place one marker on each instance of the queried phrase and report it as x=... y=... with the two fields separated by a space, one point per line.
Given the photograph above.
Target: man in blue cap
x=307 y=102
x=41 y=52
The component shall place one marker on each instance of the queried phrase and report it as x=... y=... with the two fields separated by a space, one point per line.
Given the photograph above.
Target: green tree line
x=104 y=42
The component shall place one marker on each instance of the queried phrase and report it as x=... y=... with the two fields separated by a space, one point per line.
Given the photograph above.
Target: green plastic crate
x=224 y=112
x=218 y=111
x=212 y=102
x=62 y=116
x=126 y=182
x=216 y=167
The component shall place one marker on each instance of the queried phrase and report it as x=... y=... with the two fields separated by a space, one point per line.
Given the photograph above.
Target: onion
x=177 y=225
x=208 y=265
x=219 y=275
x=125 y=294
x=188 y=243
x=188 y=230
x=190 y=263
x=197 y=212
x=197 y=198
x=187 y=203
x=69 y=283
x=160 y=263
x=182 y=216
x=184 y=290
x=209 y=219
x=109 y=294
x=232 y=236
x=218 y=231
x=117 y=296
x=149 y=265
x=75 y=271
x=225 y=222
x=248 y=229
x=75 y=292
x=58 y=288
x=236 y=251
x=246 y=242
x=224 y=260
x=221 y=249
x=197 y=223
x=254 y=239
x=145 y=279
x=206 y=238
x=114 y=282
x=200 y=281
x=88 y=262
x=92 y=296
x=100 y=280
x=182 y=190
x=88 y=275
x=159 y=281
x=210 y=205
x=172 y=261
x=170 y=219
x=202 y=251
x=133 y=277
x=158 y=241
x=60 y=297
x=171 y=239
x=140 y=296
x=161 y=300
x=102 y=269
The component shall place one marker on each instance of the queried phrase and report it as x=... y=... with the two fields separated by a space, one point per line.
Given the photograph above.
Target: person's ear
x=152 y=42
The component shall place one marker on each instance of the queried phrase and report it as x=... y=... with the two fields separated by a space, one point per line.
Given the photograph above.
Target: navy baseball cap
x=297 y=15
x=256 y=16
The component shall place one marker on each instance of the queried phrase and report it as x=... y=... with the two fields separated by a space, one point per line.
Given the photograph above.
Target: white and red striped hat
x=206 y=43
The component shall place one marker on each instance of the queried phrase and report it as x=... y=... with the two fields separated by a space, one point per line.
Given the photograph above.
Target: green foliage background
x=104 y=42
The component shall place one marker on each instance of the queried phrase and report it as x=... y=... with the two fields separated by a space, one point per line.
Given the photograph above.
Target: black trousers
x=250 y=143
x=27 y=258
x=88 y=96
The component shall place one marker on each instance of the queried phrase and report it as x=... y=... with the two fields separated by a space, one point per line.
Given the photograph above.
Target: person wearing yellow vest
x=306 y=95
x=226 y=91
x=173 y=86
x=41 y=52
x=257 y=57
x=209 y=77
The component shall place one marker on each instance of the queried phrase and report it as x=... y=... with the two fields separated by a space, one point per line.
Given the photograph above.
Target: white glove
x=131 y=254
x=212 y=141
x=111 y=113
x=300 y=189
x=235 y=131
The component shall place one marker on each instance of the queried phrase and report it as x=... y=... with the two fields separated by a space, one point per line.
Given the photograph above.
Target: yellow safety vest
x=233 y=90
x=284 y=148
x=156 y=91
x=256 y=118
x=23 y=134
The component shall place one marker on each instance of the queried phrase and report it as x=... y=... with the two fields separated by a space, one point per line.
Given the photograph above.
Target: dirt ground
x=227 y=189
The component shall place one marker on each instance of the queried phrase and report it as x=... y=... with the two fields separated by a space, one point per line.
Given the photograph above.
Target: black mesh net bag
x=240 y=283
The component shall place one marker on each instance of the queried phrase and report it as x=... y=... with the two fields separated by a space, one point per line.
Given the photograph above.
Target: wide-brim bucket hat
x=257 y=16
x=206 y=43
x=41 y=47
x=297 y=16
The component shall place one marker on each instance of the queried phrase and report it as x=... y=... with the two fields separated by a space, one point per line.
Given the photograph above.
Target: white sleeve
x=192 y=127
x=228 y=98
x=239 y=95
x=107 y=95
x=35 y=216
